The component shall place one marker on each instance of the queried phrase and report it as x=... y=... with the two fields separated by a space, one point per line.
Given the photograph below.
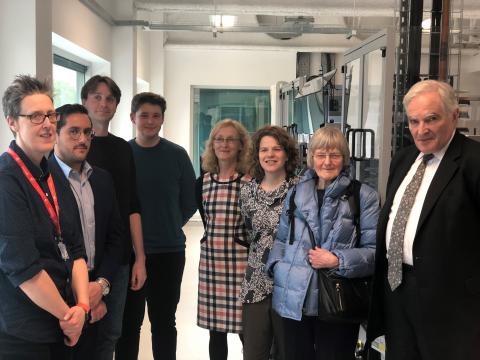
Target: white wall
x=75 y=22
x=25 y=48
x=143 y=54
x=157 y=62
x=187 y=66
x=126 y=49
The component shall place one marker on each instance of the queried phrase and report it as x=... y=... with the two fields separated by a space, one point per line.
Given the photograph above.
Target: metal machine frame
x=385 y=41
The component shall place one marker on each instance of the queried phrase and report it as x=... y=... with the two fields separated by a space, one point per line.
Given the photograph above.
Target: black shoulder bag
x=340 y=299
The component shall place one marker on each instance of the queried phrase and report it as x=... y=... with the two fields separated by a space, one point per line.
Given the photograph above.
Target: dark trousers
x=262 y=326
x=86 y=347
x=12 y=348
x=405 y=335
x=312 y=339
x=162 y=293
x=218 y=345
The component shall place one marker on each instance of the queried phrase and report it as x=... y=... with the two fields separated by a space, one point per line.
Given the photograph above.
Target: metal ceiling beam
x=326 y=8
x=380 y=9
x=98 y=10
x=297 y=29
x=259 y=29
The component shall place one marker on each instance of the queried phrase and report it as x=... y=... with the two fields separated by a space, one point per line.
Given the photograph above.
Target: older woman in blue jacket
x=321 y=203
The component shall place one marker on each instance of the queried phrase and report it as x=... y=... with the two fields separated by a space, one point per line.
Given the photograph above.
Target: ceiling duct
x=296 y=24
x=313 y=64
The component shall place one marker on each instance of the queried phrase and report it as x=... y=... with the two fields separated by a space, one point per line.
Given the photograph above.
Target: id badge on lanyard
x=62 y=247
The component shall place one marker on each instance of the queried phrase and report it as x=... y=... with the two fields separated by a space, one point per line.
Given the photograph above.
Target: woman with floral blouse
x=274 y=159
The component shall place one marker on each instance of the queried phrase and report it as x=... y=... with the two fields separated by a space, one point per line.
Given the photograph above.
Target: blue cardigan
x=295 y=281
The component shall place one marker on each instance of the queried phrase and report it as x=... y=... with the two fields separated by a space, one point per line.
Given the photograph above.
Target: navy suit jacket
x=108 y=224
x=446 y=252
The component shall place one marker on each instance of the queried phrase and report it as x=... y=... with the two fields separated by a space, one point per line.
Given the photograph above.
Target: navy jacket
x=108 y=223
x=27 y=246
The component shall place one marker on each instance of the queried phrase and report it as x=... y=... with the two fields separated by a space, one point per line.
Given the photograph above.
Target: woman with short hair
x=320 y=206
x=43 y=274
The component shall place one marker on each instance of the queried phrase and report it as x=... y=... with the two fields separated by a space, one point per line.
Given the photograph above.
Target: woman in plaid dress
x=223 y=256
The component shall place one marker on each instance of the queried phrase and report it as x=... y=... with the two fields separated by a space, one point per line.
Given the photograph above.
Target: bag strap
x=354 y=202
x=290 y=212
x=352 y=194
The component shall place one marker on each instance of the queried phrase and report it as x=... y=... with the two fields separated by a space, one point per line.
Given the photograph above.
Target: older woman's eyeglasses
x=333 y=157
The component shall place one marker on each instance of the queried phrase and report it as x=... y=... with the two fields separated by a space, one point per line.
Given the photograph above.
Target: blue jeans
x=109 y=329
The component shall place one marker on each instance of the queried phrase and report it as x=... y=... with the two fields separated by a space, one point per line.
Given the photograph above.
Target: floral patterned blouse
x=261 y=213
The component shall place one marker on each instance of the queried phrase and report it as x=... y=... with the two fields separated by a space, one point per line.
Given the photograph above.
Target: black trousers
x=162 y=294
x=86 y=345
x=405 y=335
x=12 y=348
x=218 y=345
x=312 y=339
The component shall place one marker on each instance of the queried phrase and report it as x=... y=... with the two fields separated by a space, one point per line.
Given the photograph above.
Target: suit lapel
x=93 y=180
x=57 y=170
x=446 y=170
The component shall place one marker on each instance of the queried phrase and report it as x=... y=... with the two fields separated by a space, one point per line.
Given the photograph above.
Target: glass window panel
x=309 y=113
x=250 y=107
x=352 y=93
x=68 y=79
x=372 y=96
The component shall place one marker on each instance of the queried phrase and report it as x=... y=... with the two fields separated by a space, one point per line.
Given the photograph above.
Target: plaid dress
x=223 y=256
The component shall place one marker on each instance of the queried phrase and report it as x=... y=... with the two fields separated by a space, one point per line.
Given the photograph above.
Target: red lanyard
x=51 y=186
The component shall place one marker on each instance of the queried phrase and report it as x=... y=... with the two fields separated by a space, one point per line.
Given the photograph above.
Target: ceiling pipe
x=260 y=29
x=247 y=9
x=280 y=29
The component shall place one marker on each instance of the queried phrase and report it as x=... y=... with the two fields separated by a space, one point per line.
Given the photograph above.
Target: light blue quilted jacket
x=295 y=281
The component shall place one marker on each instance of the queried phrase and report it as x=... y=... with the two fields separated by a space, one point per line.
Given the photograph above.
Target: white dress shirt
x=412 y=222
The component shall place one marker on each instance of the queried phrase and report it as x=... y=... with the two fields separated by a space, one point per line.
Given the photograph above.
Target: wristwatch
x=104 y=284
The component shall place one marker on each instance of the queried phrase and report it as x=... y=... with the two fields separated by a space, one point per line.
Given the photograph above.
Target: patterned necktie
x=395 y=250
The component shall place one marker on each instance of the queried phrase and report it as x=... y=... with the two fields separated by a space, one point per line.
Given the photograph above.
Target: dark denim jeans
x=109 y=329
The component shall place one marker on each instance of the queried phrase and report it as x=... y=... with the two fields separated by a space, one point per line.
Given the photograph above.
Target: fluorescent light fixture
x=427 y=24
x=223 y=20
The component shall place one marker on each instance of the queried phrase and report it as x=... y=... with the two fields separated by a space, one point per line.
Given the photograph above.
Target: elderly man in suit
x=93 y=191
x=426 y=297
